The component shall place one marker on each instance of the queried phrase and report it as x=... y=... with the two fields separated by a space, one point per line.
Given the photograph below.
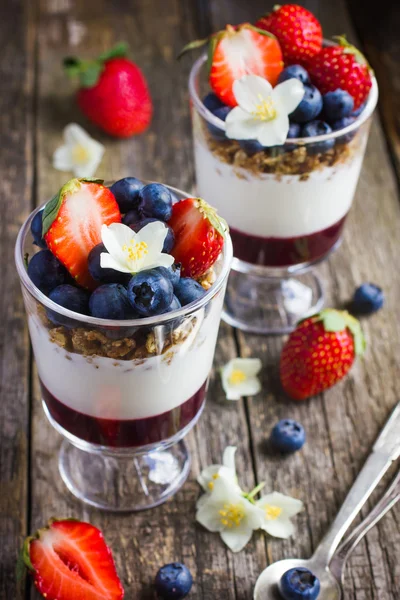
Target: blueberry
x=173 y=273
x=173 y=581
x=317 y=128
x=46 y=271
x=169 y=241
x=73 y=298
x=288 y=436
x=341 y=124
x=156 y=201
x=294 y=130
x=358 y=111
x=188 y=290
x=36 y=230
x=251 y=147
x=131 y=217
x=110 y=301
x=150 y=292
x=294 y=72
x=367 y=299
x=212 y=102
x=299 y=584
x=126 y=192
x=309 y=107
x=337 y=104
x=175 y=305
x=104 y=275
x=217 y=133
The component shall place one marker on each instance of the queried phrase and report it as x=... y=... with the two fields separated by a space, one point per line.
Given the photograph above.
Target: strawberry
x=319 y=352
x=199 y=236
x=113 y=93
x=343 y=67
x=69 y=560
x=238 y=51
x=296 y=29
x=72 y=223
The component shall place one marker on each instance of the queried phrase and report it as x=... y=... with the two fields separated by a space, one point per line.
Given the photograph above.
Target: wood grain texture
x=16 y=142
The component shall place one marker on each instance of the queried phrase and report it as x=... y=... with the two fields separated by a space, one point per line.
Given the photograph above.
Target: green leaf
x=333 y=320
x=90 y=73
x=210 y=53
x=26 y=259
x=23 y=560
x=262 y=31
x=72 y=66
x=192 y=46
x=339 y=320
x=52 y=208
x=92 y=180
x=118 y=51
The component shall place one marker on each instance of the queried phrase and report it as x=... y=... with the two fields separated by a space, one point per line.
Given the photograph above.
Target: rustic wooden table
x=35 y=103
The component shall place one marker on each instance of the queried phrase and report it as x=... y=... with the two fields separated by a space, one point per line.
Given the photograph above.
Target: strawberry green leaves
x=89 y=71
x=339 y=320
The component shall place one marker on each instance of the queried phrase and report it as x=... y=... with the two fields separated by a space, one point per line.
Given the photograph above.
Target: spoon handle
x=388 y=500
x=385 y=450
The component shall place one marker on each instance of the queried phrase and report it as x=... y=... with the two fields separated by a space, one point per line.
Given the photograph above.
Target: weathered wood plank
x=341 y=424
x=16 y=141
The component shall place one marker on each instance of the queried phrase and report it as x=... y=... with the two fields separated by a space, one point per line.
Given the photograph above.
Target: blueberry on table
x=367 y=299
x=150 y=292
x=155 y=201
x=309 y=108
x=294 y=72
x=313 y=129
x=104 y=275
x=288 y=436
x=251 y=147
x=337 y=104
x=169 y=241
x=188 y=290
x=36 y=230
x=217 y=133
x=173 y=273
x=46 y=271
x=299 y=584
x=212 y=102
x=341 y=124
x=173 y=581
x=110 y=301
x=131 y=217
x=126 y=192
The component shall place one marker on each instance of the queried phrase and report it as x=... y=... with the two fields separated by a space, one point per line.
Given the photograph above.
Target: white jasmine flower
x=80 y=153
x=277 y=511
x=227 y=511
x=262 y=111
x=131 y=252
x=228 y=470
x=239 y=377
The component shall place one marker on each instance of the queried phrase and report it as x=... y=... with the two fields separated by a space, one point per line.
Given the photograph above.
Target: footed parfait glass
x=123 y=394
x=286 y=207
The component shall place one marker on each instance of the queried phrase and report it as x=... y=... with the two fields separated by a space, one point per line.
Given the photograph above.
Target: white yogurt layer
x=108 y=388
x=265 y=206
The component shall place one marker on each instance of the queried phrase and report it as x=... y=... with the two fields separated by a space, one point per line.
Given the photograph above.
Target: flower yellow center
x=265 y=109
x=237 y=376
x=80 y=154
x=272 y=512
x=211 y=483
x=135 y=250
x=232 y=515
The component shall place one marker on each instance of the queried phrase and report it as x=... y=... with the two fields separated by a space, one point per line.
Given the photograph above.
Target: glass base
x=126 y=482
x=262 y=301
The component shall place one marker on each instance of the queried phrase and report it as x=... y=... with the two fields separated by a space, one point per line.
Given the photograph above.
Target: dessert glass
x=123 y=394
x=286 y=207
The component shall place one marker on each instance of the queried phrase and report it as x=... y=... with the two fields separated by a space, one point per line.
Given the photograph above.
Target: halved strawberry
x=72 y=223
x=69 y=560
x=199 y=236
x=238 y=51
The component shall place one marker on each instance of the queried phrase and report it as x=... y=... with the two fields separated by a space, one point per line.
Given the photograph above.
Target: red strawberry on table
x=238 y=51
x=113 y=92
x=199 y=236
x=69 y=560
x=343 y=67
x=296 y=29
x=72 y=223
x=319 y=353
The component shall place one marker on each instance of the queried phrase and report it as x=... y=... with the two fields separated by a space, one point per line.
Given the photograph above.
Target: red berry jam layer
x=285 y=252
x=125 y=433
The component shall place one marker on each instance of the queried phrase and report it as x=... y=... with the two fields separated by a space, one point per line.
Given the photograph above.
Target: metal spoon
x=385 y=450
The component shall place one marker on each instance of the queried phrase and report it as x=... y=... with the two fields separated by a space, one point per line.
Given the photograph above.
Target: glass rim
x=302 y=141
x=227 y=254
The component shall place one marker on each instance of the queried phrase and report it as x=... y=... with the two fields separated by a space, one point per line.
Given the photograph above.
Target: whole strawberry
x=113 y=92
x=319 y=353
x=343 y=67
x=296 y=29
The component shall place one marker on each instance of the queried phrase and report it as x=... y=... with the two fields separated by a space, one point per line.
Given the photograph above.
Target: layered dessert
x=280 y=125
x=124 y=299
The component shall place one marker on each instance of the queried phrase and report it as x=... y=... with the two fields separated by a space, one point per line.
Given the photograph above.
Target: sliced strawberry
x=238 y=51
x=69 y=560
x=199 y=236
x=72 y=223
